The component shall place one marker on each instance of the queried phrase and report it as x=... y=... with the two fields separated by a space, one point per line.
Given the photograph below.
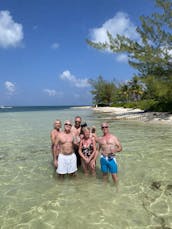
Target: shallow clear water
x=32 y=196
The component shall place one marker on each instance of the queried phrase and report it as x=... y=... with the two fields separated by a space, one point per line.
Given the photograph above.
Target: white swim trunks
x=66 y=164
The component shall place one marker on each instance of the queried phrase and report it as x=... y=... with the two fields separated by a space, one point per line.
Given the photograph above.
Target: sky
x=44 y=56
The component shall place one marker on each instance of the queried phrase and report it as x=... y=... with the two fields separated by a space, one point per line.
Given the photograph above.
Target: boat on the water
x=5 y=107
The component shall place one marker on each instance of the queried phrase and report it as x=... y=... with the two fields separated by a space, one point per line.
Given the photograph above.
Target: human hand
x=113 y=150
x=92 y=164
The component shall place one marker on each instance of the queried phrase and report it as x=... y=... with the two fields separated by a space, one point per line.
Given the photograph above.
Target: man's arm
x=56 y=150
x=52 y=137
x=118 y=145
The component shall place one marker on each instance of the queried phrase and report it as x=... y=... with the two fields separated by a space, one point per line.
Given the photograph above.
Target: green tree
x=124 y=93
x=136 y=88
x=152 y=55
x=131 y=91
x=103 y=91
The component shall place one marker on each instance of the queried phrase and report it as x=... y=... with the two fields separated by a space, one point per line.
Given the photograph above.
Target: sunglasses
x=68 y=124
x=104 y=127
x=78 y=121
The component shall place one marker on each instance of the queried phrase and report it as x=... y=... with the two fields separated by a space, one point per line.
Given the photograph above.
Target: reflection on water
x=32 y=196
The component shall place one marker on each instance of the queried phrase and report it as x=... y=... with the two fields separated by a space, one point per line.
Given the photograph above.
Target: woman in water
x=87 y=150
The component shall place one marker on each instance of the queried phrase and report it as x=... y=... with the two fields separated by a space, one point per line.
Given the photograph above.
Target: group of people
x=78 y=145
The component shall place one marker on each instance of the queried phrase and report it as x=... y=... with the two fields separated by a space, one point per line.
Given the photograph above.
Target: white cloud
x=55 y=46
x=119 y=24
x=10 y=87
x=52 y=92
x=11 y=33
x=77 y=82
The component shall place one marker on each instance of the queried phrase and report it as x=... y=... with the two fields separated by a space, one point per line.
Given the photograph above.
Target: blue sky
x=44 y=58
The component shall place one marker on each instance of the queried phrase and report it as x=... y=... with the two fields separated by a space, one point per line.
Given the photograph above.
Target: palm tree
x=136 y=88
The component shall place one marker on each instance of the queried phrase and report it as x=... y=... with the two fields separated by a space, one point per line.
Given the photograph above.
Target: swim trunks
x=108 y=164
x=66 y=164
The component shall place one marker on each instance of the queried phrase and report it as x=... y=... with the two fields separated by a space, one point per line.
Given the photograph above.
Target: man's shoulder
x=112 y=135
x=98 y=139
x=61 y=133
x=75 y=131
x=53 y=131
x=73 y=128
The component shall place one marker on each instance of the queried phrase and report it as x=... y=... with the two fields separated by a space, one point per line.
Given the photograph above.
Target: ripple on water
x=32 y=196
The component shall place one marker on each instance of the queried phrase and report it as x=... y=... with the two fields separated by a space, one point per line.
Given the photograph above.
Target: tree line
x=151 y=57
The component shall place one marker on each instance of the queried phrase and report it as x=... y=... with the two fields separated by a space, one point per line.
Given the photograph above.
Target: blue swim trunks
x=108 y=164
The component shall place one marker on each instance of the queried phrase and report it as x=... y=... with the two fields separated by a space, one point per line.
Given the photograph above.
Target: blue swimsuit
x=108 y=164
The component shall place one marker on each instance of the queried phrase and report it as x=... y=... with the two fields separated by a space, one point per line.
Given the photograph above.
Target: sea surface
x=32 y=196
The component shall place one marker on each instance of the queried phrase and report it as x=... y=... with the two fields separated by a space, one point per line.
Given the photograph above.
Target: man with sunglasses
x=76 y=130
x=109 y=145
x=66 y=161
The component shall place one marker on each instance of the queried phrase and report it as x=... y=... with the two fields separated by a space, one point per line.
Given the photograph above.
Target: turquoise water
x=32 y=196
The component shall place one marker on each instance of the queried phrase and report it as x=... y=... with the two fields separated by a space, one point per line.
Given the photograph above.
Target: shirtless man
x=109 y=145
x=76 y=130
x=66 y=161
x=53 y=135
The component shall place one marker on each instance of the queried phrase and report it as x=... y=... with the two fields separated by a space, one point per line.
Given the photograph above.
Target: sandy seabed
x=120 y=113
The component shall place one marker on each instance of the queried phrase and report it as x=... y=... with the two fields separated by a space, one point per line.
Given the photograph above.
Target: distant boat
x=5 y=107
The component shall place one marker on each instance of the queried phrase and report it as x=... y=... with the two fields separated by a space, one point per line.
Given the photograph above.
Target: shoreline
x=81 y=107
x=120 y=113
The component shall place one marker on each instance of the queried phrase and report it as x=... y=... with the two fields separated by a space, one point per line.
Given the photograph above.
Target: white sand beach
x=120 y=113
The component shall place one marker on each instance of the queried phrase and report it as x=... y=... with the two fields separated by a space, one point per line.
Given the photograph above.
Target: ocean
x=31 y=108
x=33 y=197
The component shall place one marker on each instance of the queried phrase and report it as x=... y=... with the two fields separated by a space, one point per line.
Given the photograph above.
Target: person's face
x=67 y=126
x=105 y=128
x=86 y=133
x=77 y=122
x=57 y=125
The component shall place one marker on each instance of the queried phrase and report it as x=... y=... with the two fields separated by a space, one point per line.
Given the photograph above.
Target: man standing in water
x=53 y=135
x=76 y=130
x=66 y=161
x=109 y=145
